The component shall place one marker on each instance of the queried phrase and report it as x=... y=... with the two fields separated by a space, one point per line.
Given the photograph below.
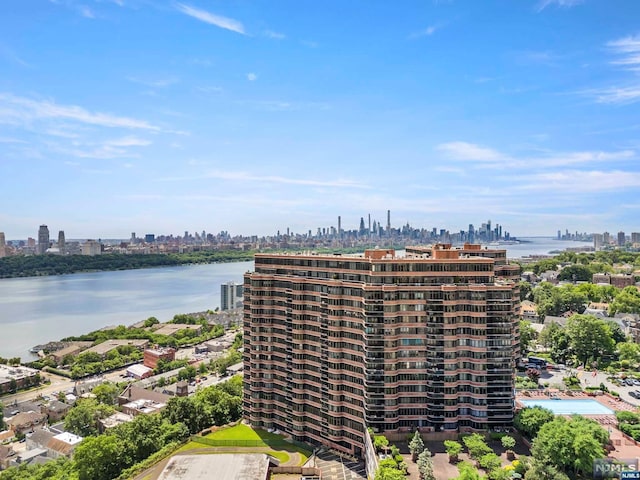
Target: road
x=589 y=380
x=57 y=384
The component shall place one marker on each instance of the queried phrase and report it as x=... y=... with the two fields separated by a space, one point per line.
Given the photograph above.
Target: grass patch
x=244 y=432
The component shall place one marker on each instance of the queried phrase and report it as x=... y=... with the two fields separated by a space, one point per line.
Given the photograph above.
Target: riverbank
x=36 y=310
x=46 y=265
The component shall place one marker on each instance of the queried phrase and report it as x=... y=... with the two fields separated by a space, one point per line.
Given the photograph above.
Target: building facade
x=230 y=295
x=91 y=248
x=43 y=239
x=335 y=344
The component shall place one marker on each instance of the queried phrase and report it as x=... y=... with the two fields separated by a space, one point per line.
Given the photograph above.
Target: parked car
x=629 y=382
x=634 y=394
x=636 y=382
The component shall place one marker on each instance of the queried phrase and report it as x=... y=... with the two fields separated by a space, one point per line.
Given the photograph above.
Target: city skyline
x=161 y=116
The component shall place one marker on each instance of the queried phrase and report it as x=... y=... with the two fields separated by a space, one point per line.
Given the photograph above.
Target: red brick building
x=153 y=355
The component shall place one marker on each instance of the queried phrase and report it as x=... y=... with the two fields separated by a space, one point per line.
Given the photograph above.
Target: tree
x=416 y=446
x=106 y=393
x=380 y=443
x=545 y=265
x=616 y=332
x=468 y=472
x=386 y=473
x=542 y=471
x=527 y=335
x=83 y=419
x=490 y=461
x=629 y=351
x=533 y=374
x=99 y=458
x=149 y=322
x=508 y=443
x=570 y=445
x=526 y=291
x=589 y=337
x=476 y=445
x=575 y=273
x=453 y=449
x=425 y=466
x=627 y=301
x=555 y=337
x=530 y=420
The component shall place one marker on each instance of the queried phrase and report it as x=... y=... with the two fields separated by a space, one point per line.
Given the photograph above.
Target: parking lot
x=591 y=379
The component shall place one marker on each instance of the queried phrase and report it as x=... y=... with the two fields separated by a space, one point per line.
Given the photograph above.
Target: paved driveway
x=589 y=380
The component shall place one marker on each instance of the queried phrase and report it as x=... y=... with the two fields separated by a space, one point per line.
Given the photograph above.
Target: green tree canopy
x=629 y=351
x=529 y=420
x=555 y=338
x=99 y=458
x=570 y=445
x=627 y=301
x=106 y=393
x=528 y=335
x=589 y=337
x=83 y=419
x=416 y=445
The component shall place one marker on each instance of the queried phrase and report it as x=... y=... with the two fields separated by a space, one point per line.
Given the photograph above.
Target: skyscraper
x=597 y=241
x=3 y=245
x=621 y=239
x=43 y=239
x=62 y=244
x=335 y=344
x=230 y=295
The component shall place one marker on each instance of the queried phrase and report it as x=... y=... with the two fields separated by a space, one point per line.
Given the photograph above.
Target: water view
x=36 y=310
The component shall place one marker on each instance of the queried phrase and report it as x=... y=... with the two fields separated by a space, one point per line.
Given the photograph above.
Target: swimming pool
x=568 y=407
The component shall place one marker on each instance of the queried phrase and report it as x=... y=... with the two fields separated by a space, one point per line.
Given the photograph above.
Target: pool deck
x=624 y=446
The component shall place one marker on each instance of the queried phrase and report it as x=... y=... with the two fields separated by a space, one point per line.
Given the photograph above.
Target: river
x=37 y=310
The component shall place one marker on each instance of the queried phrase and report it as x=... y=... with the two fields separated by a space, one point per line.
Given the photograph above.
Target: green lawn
x=245 y=432
x=259 y=439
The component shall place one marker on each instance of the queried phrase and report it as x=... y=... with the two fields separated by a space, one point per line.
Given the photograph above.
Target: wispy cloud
x=14 y=109
x=248 y=177
x=583 y=181
x=212 y=19
x=558 y=3
x=114 y=148
x=488 y=157
x=86 y=12
x=430 y=30
x=252 y=77
x=628 y=49
x=469 y=151
x=156 y=83
x=274 y=35
x=627 y=55
x=9 y=54
x=129 y=141
x=11 y=140
x=614 y=95
x=285 y=106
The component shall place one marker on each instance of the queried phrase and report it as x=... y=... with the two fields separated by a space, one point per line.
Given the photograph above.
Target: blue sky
x=254 y=116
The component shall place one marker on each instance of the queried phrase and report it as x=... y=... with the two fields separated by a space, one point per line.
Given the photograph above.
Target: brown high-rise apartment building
x=338 y=343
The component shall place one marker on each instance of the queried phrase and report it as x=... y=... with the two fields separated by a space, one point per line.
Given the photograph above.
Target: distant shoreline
x=54 y=265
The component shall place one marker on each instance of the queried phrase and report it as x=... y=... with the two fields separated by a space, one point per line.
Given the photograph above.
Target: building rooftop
x=68 y=437
x=171 y=328
x=138 y=370
x=108 y=345
x=228 y=466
